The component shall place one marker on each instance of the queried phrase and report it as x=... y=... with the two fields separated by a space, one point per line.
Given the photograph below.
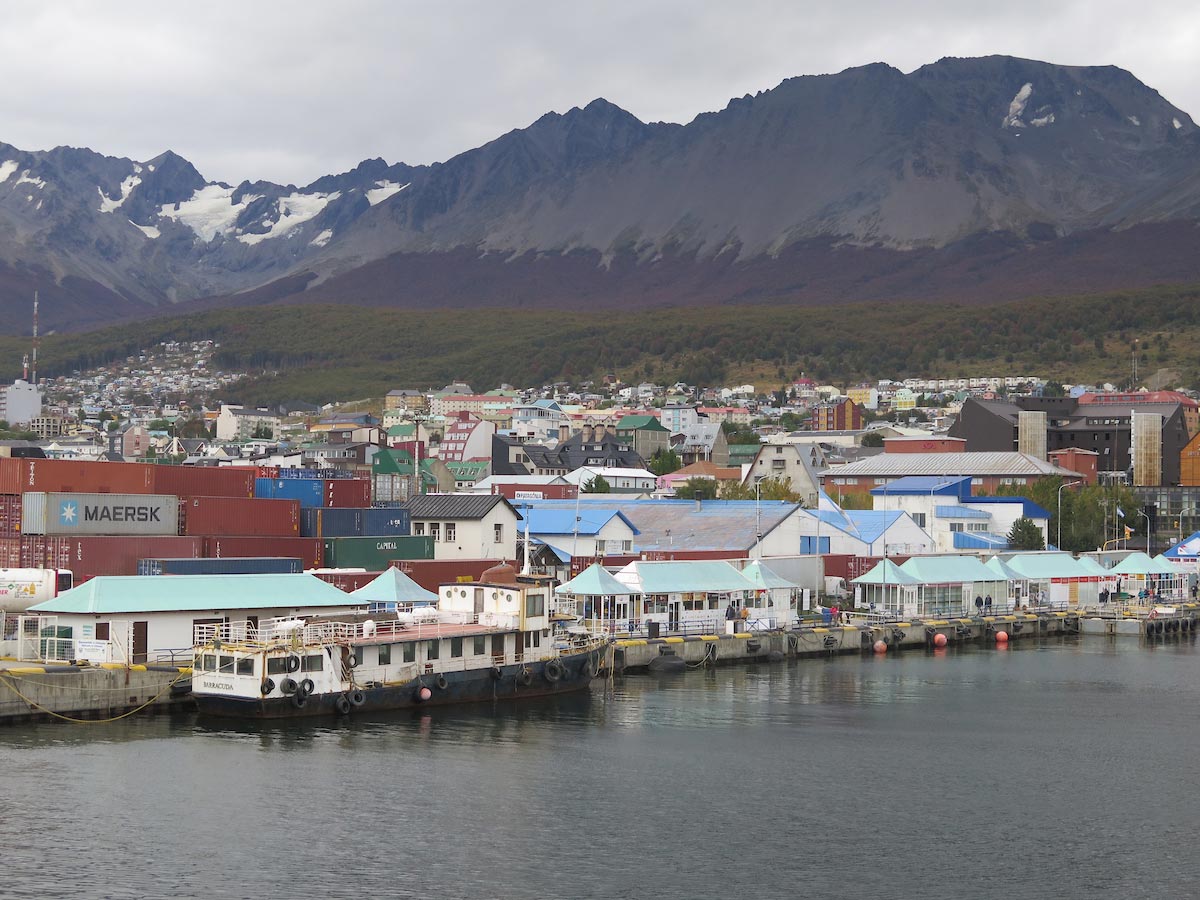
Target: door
x=141 y=631
x=673 y=611
x=478 y=603
x=252 y=627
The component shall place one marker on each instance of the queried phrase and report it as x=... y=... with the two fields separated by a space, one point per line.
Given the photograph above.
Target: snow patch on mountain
x=1134 y=120
x=321 y=239
x=108 y=205
x=1017 y=106
x=383 y=190
x=294 y=210
x=1174 y=122
x=9 y=166
x=148 y=230
x=1042 y=121
x=209 y=212
x=25 y=179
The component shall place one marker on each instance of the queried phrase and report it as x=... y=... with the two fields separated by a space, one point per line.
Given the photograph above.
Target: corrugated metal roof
x=952 y=485
x=975 y=464
x=1028 y=507
x=181 y=593
x=544 y=522
x=455 y=506
x=1047 y=565
x=393 y=586
x=683 y=577
x=979 y=540
x=594 y=581
x=948 y=570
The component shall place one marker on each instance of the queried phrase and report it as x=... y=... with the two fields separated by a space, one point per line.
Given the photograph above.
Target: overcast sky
x=289 y=91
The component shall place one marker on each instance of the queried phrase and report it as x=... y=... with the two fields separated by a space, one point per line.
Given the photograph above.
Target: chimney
x=699 y=503
x=564 y=431
x=586 y=434
x=598 y=432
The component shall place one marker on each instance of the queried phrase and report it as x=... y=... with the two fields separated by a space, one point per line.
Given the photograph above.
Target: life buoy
x=341 y=704
x=352 y=662
x=307 y=685
x=553 y=670
x=288 y=686
x=299 y=699
x=293 y=663
x=525 y=677
x=440 y=682
x=268 y=685
x=357 y=697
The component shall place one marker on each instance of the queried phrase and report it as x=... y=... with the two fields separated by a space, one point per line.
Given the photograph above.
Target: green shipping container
x=374 y=553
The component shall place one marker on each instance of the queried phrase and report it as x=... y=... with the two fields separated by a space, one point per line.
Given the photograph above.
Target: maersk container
x=244 y=565
x=310 y=550
x=347 y=493
x=205 y=481
x=72 y=514
x=375 y=553
x=309 y=491
x=366 y=522
x=251 y=517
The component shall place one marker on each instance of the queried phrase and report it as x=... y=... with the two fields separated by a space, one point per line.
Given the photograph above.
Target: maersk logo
x=68 y=513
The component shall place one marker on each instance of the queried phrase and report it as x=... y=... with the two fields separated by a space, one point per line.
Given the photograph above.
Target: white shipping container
x=92 y=514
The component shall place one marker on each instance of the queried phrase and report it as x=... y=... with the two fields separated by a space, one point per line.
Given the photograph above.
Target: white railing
x=298 y=633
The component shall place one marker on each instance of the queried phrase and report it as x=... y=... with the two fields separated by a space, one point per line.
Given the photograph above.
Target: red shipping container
x=429 y=573
x=91 y=556
x=227 y=516
x=10 y=553
x=205 y=481
x=343 y=493
x=11 y=473
x=10 y=515
x=271 y=472
x=347 y=581
x=74 y=476
x=536 y=491
x=311 y=550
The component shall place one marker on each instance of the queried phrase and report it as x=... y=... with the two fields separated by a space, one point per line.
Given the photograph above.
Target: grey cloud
x=291 y=91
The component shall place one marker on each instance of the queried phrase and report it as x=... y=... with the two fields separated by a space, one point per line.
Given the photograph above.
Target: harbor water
x=1055 y=769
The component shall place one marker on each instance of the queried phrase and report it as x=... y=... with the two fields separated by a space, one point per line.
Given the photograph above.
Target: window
x=276 y=665
x=435 y=530
x=919 y=518
x=385 y=654
x=498 y=533
x=433 y=649
x=480 y=647
x=226 y=663
x=956 y=526
x=450 y=532
x=410 y=652
x=497 y=645
x=418 y=528
x=245 y=665
x=102 y=631
x=208 y=662
x=317 y=662
x=456 y=647
x=535 y=604
x=358 y=656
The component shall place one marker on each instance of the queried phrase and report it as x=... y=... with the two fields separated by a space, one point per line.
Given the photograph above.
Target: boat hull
x=511 y=682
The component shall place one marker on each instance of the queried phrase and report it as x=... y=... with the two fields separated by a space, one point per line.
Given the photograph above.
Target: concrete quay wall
x=88 y=693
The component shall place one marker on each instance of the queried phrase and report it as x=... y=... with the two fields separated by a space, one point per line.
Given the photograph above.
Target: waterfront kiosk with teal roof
x=600 y=601
x=886 y=589
x=948 y=585
x=689 y=594
x=152 y=618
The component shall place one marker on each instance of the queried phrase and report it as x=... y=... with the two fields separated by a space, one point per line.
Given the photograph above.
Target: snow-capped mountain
x=971 y=178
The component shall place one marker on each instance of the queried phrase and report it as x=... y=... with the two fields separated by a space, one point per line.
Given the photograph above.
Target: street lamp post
x=758 y=517
x=1186 y=509
x=1060 y=490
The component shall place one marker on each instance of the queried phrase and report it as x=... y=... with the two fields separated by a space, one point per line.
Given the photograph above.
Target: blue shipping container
x=369 y=522
x=323 y=474
x=229 y=565
x=309 y=491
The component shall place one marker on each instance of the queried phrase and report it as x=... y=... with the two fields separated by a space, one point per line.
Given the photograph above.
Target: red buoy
x=939 y=640
x=426 y=693
x=880 y=647
x=1001 y=637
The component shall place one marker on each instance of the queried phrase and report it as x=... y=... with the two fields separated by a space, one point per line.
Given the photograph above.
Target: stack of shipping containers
x=103 y=518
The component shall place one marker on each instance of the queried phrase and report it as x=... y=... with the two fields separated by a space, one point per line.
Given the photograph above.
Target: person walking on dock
x=978 y=603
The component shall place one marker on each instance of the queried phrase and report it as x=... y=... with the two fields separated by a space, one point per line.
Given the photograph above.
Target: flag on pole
x=1120 y=513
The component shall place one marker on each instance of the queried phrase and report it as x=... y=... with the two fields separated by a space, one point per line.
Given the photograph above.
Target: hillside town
x=969 y=446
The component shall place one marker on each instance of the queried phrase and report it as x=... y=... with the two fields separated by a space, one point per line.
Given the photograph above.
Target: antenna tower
x=35 y=337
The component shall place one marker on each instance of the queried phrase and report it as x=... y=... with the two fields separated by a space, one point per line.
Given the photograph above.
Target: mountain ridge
x=773 y=193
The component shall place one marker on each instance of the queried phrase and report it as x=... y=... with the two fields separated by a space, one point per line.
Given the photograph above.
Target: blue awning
x=979 y=540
